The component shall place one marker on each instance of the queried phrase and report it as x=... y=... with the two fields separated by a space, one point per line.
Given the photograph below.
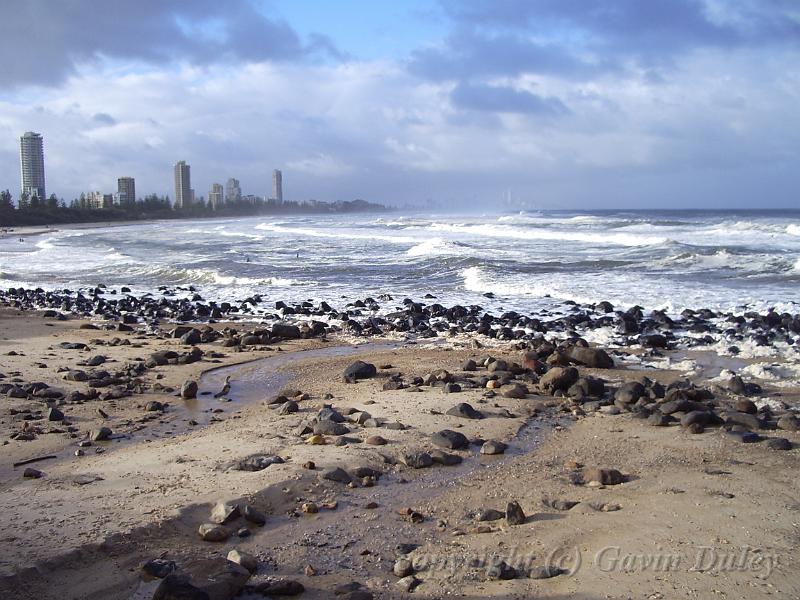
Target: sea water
x=529 y=261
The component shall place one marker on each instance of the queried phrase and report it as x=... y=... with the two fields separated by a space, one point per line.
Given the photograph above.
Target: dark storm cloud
x=104 y=119
x=503 y=99
x=469 y=53
x=44 y=41
x=510 y=37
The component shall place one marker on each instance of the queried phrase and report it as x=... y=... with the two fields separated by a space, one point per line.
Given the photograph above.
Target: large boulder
x=596 y=358
x=285 y=331
x=558 y=378
x=465 y=411
x=450 y=439
x=360 y=370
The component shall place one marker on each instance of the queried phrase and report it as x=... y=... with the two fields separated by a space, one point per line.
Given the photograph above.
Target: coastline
x=156 y=480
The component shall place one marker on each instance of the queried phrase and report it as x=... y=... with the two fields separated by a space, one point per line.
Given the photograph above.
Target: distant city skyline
x=591 y=104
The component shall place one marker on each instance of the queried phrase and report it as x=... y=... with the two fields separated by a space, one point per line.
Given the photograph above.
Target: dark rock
x=491 y=447
x=418 y=460
x=189 y=389
x=337 y=474
x=55 y=415
x=595 y=358
x=558 y=378
x=280 y=587
x=514 y=514
x=469 y=365
x=698 y=417
x=159 y=568
x=178 y=587
x=450 y=439
x=629 y=392
x=451 y=388
x=31 y=473
x=100 y=435
x=154 y=406
x=490 y=514
x=360 y=370
x=545 y=572
x=515 y=391
x=603 y=476
x=286 y=331
x=779 y=444
x=224 y=513
x=743 y=405
x=252 y=515
x=330 y=428
x=500 y=570
x=289 y=407
x=211 y=532
x=444 y=458
x=465 y=411
x=258 y=462
x=749 y=421
x=789 y=423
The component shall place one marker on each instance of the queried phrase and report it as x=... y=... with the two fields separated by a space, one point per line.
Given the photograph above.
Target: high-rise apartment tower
x=183 y=185
x=31 y=160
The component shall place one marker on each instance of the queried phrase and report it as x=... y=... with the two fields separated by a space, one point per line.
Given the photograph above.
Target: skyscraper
x=215 y=197
x=31 y=160
x=233 y=193
x=277 y=186
x=126 y=191
x=183 y=185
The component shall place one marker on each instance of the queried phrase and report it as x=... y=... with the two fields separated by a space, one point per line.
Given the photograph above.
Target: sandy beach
x=366 y=499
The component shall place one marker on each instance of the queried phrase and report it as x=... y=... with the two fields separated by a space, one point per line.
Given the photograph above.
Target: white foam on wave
x=341 y=235
x=532 y=234
x=476 y=280
x=793 y=229
x=777 y=374
x=436 y=247
x=239 y=234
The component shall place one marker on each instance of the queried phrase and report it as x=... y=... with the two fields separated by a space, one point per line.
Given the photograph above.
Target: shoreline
x=137 y=500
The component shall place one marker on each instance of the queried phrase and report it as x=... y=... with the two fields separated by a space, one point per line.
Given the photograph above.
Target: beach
x=329 y=475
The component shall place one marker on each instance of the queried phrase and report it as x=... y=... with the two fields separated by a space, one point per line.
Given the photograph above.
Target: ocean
x=530 y=262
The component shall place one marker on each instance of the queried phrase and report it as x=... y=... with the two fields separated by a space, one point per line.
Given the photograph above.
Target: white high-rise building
x=233 y=193
x=126 y=191
x=183 y=185
x=31 y=160
x=215 y=196
x=277 y=186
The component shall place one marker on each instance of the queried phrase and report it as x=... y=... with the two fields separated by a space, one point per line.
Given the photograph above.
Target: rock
x=360 y=370
x=451 y=388
x=450 y=439
x=629 y=392
x=407 y=584
x=490 y=514
x=559 y=504
x=558 y=378
x=403 y=567
x=159 y=568
x=375 y=440
x=493 y=447
x=515 y=391
x=286 y=331
x=178 y=587
x=248 y=561
x=154 y=406
x=514 y=514
x=418 y=460
x=464 y=411
x=224 y=513
x=749 y=421
x=337 y=474
x=31 y=473
x=745 y=437
x=211 y=532
x=280 y=587
x=100 y=435
x=445 y=459
x=469 y=365
x=258 y=462
x=189 y=389
x=746 y=406
x=602 y=476
x=500 y=570
x=310 y=508
x=659 y=420
x=595 y=358
x=545 y=572
x=316 y=440
x=330 y=428
x=779 y=444
x=696 y=417
x=252 y=515
x=789 y=423
x=289 y=407
x=54 y=414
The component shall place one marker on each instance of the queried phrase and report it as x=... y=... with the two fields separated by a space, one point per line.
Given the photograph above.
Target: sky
x=479 y=104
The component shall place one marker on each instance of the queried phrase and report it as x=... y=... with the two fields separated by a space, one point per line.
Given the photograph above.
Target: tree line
x=53 y=210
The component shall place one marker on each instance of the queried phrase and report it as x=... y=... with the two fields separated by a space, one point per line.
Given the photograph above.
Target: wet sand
x=722 y=515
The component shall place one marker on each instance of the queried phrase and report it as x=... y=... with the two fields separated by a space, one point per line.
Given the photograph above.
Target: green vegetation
x=33 y=211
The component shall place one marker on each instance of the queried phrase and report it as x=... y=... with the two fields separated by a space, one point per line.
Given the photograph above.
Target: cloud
x=505 y=99
x=104 y=119
x=44 y=42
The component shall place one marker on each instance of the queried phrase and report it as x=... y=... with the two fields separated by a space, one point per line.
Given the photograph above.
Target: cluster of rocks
x=655 y=330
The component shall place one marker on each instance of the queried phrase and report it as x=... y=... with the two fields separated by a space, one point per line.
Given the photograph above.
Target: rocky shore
x=167 y=446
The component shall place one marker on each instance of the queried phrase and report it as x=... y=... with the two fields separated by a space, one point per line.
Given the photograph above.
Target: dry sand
x=700 y=516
